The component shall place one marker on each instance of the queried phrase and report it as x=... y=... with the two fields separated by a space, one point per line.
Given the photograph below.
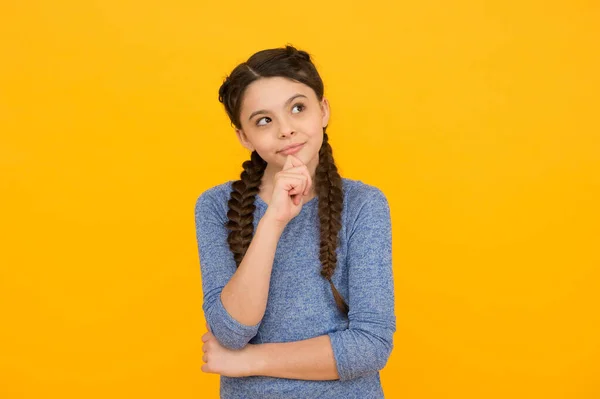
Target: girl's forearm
x=310 y=359
x=245 y=295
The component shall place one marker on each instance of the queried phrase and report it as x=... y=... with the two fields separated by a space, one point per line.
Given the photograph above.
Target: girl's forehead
x=270 y=92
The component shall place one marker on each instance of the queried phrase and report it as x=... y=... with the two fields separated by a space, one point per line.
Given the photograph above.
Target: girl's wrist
x=272 y=221
x=254 y=360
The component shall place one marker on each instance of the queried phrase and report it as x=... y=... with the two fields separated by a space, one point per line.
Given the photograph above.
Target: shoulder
x=217 y=191
x=367 y=209
x=214 y=199
x=357 y=194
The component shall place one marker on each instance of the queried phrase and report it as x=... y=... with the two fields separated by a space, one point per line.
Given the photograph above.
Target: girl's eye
x=299 y=104
x=258 y=121
x=266 y=117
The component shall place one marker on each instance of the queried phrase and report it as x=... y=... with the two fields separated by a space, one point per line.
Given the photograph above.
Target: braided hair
x=294 y=64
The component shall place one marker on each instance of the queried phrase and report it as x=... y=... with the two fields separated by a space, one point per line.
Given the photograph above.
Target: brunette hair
x=296 y=65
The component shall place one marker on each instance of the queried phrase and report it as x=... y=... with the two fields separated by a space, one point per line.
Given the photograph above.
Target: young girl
x=296 y=261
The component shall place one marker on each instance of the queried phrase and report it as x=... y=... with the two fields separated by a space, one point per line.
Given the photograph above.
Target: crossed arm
x=364 y=347
x=309 y=359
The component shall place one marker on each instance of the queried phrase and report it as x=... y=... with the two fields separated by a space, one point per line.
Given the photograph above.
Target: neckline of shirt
x=264 y=204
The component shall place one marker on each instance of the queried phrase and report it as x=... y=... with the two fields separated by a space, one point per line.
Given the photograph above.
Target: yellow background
x=479 y=120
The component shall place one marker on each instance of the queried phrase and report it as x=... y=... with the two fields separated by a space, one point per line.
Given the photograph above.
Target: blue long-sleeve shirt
x=300 y=304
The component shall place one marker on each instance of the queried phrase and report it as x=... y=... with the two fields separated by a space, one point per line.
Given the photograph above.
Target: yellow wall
x=479 y=120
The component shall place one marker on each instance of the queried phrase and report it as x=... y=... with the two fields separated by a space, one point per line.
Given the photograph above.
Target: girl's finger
x=290 y=181
x=295 y=181
x=290 y=161
x=303 y=171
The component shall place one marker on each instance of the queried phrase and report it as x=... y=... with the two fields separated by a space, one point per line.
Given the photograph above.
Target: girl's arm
x=309 y=359
x=245 y=295
x=234 y=298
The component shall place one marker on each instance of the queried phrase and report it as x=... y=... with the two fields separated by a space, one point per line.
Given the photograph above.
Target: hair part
x=296 y=65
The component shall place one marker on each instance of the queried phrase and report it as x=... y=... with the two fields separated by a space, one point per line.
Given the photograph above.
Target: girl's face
x=277 y=112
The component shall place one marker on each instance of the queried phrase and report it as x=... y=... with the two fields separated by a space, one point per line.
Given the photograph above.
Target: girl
x=296 y=261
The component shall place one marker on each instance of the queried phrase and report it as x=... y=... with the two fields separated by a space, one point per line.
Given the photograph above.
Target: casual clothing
x=300 y=303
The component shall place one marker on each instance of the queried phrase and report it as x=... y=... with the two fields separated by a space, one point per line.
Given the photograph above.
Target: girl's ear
x=325 y=112
x=244 y=139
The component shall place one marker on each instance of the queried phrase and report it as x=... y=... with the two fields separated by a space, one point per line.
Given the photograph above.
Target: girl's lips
x=293 y=150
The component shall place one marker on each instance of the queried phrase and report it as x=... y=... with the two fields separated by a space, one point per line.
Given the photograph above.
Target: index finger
x=288 y=163
x=292 y=161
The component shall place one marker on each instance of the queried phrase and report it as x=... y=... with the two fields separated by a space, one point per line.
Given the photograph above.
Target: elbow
x=234 y=344
x=379 y=341
x=231 y=337
x=359 y=353
x=379 y=352
x=230 y=333
x=384 y=351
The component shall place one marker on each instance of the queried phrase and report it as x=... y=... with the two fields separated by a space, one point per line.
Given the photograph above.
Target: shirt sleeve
x=365 y=346
x=217 y=266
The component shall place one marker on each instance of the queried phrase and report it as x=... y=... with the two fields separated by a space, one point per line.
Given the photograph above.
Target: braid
x=241 y=206
x=329 y=186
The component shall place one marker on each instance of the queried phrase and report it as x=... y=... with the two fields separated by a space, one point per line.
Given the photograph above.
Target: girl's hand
x=224 y=361
x=290 y=187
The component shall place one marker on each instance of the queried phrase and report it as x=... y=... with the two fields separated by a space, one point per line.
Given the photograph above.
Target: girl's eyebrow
x=289 y=100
